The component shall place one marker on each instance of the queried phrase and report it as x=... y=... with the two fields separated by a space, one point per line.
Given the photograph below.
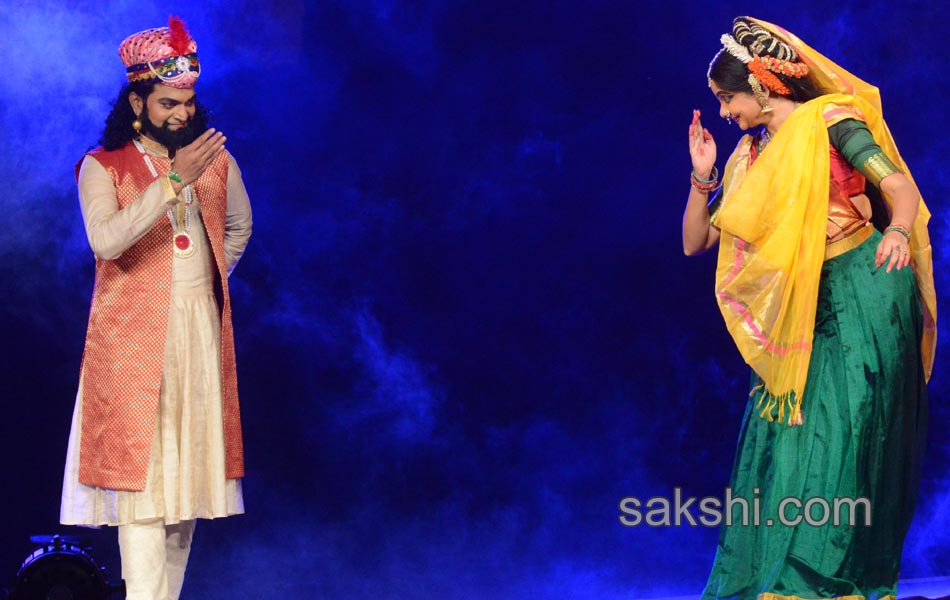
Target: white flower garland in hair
x=736 y=49
x=730 y=45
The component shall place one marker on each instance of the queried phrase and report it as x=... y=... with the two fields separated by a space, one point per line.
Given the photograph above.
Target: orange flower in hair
x=785 y=67
x=768 y=79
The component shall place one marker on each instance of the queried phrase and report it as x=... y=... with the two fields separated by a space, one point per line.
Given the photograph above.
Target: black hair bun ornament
x=760 y=42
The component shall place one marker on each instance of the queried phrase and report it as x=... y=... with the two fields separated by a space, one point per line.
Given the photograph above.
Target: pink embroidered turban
x=167 y=54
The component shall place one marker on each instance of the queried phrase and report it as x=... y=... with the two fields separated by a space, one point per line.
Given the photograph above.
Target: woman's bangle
x=899 y=229
x=705 y=185
x=705 y=189
x=713 y=177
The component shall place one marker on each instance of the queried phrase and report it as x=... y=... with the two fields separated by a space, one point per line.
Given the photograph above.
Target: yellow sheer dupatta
x=833 y=78
x=770 y=253
x=773 y=222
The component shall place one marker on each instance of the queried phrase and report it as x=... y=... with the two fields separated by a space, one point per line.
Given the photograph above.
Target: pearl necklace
x=182 y=245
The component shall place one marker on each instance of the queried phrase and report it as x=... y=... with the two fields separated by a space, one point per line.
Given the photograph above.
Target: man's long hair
x=118 y=131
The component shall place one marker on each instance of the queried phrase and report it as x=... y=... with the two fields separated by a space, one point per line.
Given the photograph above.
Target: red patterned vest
x=125 y=340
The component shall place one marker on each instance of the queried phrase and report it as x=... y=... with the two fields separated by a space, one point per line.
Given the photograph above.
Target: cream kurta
x=186 y=473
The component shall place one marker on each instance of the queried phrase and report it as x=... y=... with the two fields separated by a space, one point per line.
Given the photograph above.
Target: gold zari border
x=771 y=596
x=851 y=242
x=167 y=186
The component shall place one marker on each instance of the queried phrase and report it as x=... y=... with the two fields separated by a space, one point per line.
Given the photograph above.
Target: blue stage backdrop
x=465 y=325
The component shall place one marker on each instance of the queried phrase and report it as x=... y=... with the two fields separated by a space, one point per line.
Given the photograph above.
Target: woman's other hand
x=893 y=250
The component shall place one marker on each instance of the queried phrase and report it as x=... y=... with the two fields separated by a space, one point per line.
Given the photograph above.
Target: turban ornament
x=165 y=54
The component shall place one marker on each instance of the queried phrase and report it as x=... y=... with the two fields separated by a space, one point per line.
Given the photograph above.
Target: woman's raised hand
x=702 y=148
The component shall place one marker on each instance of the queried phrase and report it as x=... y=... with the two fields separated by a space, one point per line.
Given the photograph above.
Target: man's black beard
x=172 y=140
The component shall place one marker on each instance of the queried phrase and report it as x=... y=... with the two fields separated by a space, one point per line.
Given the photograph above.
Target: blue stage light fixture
x=62 y=569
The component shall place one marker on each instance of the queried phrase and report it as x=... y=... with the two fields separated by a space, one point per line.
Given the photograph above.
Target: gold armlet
x=877 y=167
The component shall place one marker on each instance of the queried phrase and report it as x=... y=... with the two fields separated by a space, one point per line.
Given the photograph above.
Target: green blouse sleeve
x=855 y=142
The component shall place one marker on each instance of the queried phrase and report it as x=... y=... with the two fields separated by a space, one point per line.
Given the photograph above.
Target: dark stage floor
x=929 y=588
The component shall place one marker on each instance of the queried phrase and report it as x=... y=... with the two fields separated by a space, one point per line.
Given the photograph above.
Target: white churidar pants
x=154 y=556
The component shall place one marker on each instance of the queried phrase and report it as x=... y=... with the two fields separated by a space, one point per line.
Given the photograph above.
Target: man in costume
x=156 y=436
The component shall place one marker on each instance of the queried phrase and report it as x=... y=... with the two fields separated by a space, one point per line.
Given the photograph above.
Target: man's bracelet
x=168 y=187
x=175 y=177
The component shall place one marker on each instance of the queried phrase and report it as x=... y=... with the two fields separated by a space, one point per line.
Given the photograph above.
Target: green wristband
x=899 y=229
x=175 y=177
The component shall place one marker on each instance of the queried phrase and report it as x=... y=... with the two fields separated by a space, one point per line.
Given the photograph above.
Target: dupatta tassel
x=787 y=403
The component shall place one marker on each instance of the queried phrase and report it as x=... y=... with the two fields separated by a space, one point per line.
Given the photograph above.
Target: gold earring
x=137 y=125
x=759 y=94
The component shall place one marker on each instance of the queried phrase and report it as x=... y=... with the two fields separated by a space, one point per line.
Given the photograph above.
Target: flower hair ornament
x=762 y=70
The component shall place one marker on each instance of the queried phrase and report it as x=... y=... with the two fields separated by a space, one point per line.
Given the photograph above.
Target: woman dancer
x=835 y=316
